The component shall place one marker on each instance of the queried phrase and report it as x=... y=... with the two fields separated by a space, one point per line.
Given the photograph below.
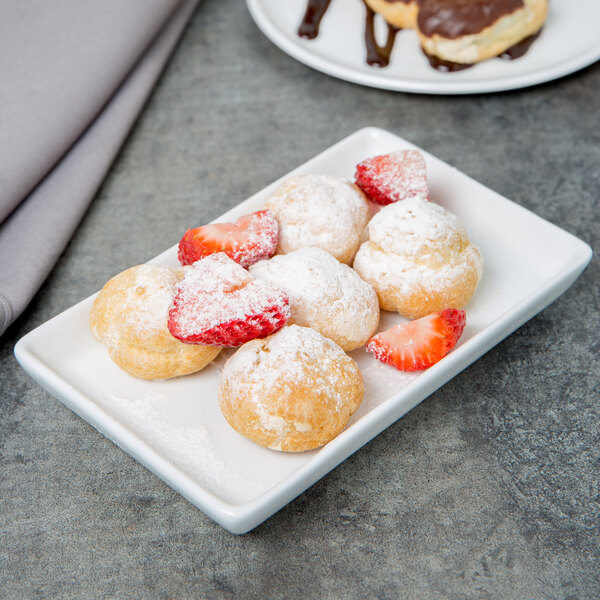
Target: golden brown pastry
x=399 y=13
x=293 y=391
x=130 y=315
x=324 y=294
x=469 y=31
x=419 y=259
x=321 y=211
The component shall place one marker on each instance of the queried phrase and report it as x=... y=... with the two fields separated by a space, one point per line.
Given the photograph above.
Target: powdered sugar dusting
x=416 y=227
x=147 y=300
x=281 y=357
x=215 y=274
x=381 y=381
x=324 y=294
x=260 y=238
x=417 y=246
x=283 y=360
x=216 y=291
x=392 y=177
x=319 y=210
x=189 y=446
x=407 y=276
x=251 y=238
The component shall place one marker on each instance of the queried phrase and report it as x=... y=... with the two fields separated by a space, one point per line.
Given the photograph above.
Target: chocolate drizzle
x=309 y=27
x=446 y=66
x=378 y=56
x=520 y=48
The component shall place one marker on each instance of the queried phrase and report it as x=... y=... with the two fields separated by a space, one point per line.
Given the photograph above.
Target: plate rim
x=242 y=517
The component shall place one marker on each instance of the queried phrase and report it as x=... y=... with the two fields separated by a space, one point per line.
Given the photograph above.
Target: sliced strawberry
x=421 y=343
x=391 y=177
x=251 y=238
x=218 y=303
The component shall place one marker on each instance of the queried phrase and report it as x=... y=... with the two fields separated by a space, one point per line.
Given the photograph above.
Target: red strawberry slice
x=218 y=303
x=251 y=238
x=391 y=177
x=421 y=343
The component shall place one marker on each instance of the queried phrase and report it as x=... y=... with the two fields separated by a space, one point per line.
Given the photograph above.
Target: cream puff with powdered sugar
x=320 y=211
x=419 y=259
x=292 y=391
x=324 y=294
x=129 y=316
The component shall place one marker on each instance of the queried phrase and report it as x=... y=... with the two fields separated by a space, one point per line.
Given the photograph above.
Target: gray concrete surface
x=488 y=489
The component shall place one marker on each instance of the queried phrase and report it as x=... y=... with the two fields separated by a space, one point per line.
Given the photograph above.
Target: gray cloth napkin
x=74 y=76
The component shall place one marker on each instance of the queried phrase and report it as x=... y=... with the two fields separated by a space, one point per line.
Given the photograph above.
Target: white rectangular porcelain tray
x=175 y=427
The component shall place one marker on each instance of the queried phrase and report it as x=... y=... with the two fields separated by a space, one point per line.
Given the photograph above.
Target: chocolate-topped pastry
x=469 y=31
x=454 y=34
x=455 y=18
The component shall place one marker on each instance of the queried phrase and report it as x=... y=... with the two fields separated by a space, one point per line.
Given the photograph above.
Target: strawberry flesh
x=392 y=177
x=218 y=303
x=419 y=344
x=251 y=238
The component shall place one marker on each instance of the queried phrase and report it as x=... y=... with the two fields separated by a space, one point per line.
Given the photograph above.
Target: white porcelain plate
x=569 y=42
x=175 y=427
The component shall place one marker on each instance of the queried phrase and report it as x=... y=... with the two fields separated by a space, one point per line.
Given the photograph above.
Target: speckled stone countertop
x=488 y=489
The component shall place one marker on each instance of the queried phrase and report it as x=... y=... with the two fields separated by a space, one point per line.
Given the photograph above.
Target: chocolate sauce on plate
x=379 y=56
x=446 y=66
x=520 y=48
x=309 y=27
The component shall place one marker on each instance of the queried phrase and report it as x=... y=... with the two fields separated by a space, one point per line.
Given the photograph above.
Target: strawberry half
x=391 y=177
x=421 y=343
x=218 y=303
x=251 y=238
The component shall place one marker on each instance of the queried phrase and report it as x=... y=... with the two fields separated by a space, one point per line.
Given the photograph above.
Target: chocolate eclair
x=469 y=31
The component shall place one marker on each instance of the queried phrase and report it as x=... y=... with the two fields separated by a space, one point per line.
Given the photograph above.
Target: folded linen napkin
x=75 y=75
